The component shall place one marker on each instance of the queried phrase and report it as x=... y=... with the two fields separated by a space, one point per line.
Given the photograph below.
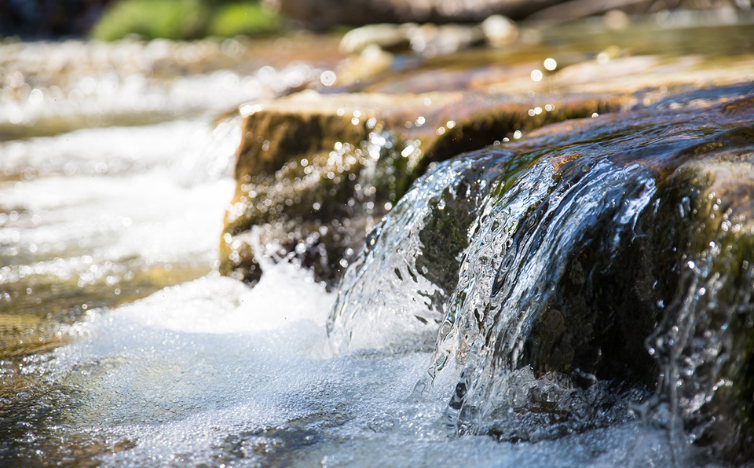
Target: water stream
x=121 y=345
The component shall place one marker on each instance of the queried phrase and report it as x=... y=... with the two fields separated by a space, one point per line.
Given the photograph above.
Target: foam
x=213 y=372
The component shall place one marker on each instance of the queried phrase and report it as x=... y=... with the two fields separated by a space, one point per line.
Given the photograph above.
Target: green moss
x=170 y=19
x=185 y=19
x=245 y=18
x=712 y=203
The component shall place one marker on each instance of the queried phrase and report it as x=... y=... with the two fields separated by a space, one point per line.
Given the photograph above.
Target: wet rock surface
x=608 y=258
x=367 y=148
x=318 y=170
x=557 y=272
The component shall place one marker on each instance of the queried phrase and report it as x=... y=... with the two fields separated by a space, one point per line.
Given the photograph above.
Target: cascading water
x=544 y=332
x=580 y=297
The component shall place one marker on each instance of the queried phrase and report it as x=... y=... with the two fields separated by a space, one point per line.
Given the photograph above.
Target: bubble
x=537 y=75
x=550 y=64
x=36 y=97
x=328 y=78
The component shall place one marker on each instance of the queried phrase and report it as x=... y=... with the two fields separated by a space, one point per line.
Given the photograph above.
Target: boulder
x=314 y=172
x=652 y=290
x=578 y=271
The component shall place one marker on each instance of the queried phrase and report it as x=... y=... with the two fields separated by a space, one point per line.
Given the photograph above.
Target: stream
x=122 y=345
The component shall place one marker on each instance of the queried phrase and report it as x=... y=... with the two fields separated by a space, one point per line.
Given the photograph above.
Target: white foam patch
x=194 y=346
x=212 y=372
x=285 y=295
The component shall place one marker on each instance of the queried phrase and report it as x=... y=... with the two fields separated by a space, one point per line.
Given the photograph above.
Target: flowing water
x=122 y=346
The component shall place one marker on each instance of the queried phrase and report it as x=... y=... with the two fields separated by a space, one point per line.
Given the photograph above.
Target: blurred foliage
x=185 y=19
x=246 y=18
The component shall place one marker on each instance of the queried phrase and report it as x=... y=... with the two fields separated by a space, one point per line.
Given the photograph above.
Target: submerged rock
x=601 y=260
x=314 y=172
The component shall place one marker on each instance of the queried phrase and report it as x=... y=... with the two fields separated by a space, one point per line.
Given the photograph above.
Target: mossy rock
x=321 y=169
x=663 y=301
x=709 y=325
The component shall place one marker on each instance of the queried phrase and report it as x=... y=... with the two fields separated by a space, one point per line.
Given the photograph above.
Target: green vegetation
x=185 y=19
x=246 y=18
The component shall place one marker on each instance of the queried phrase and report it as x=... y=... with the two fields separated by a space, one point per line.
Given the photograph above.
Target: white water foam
x=103 y=201
x=212 y=372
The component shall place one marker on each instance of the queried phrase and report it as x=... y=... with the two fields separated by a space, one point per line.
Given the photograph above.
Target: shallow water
x=200 y=374
x=208 y=371
x=120 y=345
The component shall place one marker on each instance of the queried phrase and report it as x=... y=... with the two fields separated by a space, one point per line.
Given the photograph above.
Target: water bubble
x=536 y=75
x=550 y=64
x=36 y=97
x=328 y=78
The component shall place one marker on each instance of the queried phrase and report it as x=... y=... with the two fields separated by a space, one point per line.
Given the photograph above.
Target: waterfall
x=580 y=287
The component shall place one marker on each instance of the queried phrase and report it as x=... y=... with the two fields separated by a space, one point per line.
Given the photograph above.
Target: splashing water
x=541 y=334
x=212 y=372
x=517 y=306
